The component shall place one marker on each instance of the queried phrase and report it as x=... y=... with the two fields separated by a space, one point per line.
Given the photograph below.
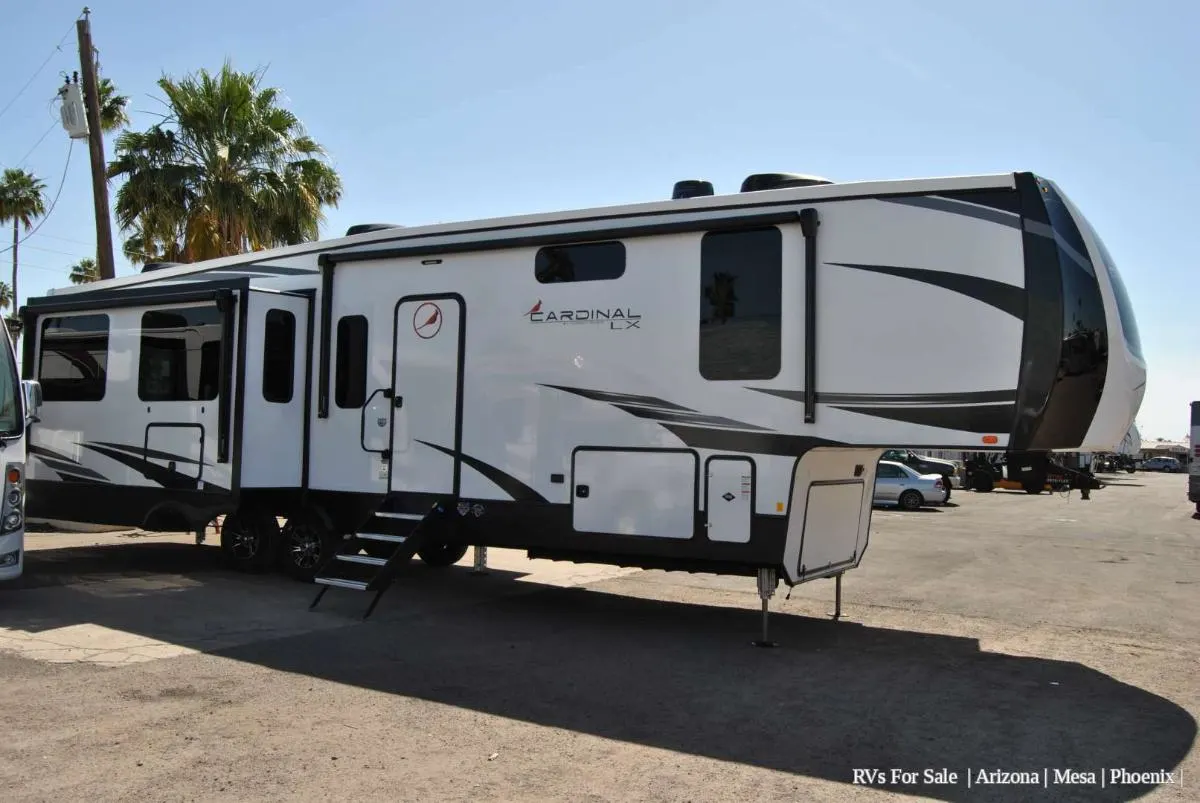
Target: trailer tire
x=983 y=484
x=911 y=500
x=305 y=545
x=248 y=540
x=442 y=553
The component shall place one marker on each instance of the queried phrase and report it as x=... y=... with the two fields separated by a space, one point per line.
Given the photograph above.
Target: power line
x=29 y=153
x=38 y=71
x=53 y=203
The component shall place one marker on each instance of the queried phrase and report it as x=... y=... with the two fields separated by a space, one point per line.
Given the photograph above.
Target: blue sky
x=459 y=110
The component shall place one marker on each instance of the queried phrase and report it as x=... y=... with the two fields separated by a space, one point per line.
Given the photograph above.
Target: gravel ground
x=1007 y=633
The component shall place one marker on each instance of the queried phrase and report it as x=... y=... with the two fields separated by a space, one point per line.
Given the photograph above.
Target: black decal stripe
x=966 y=397
x=622 y=398
x=68 y=476
x=155 y=473
x=1004 y=297
x=60 y=466
x=981 y=418
x=155 y=453
x=963 y=207
x=687 y=418
x=519 y=491
x=727 y=440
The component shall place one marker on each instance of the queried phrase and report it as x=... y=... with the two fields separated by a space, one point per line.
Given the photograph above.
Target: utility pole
x=91 y=97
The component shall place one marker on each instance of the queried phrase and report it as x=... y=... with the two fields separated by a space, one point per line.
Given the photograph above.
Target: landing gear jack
x=480 y=568
x=837 y=597
x=767 y=582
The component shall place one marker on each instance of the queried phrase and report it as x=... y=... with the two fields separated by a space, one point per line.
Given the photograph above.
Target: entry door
x=276 y=336
x=427 y=391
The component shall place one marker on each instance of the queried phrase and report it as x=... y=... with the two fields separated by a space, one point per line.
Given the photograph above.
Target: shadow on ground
x=681 y=677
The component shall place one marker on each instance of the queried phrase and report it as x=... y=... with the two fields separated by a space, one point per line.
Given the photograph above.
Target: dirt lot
x=1007 y=633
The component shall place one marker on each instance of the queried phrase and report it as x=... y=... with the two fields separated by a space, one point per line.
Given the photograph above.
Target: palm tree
x=22 y=201
x=227 y=171
x=84 y=271
x=5 y=295
x=112 y=107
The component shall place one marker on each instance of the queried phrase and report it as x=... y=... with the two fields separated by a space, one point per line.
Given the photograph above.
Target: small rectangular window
x=350 y=382
x=279 y=356
x=587 y=262
x=180 y=358
x=73 y=364
x=741 y=286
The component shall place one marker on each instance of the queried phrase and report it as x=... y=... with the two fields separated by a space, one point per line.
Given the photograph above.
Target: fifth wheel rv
x=704 y=383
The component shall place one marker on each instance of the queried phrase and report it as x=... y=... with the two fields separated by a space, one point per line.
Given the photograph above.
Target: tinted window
x=589 y=262
x=279 y=356
x=74 y=358
x=741 y=281
x=181 y=354
x=350 y=388
x=1133 y=338
x=1085 y=330
x=888 y=472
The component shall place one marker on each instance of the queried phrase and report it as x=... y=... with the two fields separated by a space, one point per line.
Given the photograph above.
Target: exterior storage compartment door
x=646 y=492
x=729 y=498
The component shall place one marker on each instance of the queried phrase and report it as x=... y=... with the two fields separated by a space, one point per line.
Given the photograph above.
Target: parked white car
x=1168 y=464
x=897 y=484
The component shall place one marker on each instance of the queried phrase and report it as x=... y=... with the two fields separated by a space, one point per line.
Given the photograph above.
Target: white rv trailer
x=703 y=383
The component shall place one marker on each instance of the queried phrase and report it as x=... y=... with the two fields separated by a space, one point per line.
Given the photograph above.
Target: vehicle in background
x=1168 y=464
x=19 y=402
x=897 y=484
x=1112 y=463
x=923 y=464
x=1031 y=472
x=1194 y=468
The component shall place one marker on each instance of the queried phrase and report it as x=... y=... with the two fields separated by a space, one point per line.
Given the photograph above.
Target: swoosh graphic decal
x=924 y=399
x=1004 y=297
x=727 y=440
x=981 y=418
x=160 y=474
x=519 y=491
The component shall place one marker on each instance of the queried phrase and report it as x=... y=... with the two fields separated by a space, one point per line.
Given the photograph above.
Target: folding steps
x=390 y=541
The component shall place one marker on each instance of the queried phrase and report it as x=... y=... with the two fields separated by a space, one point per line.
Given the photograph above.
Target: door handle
x=399 y=402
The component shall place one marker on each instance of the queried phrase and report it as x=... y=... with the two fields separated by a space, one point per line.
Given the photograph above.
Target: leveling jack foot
x=767 y=582
x=837 y=597
x=480 y=568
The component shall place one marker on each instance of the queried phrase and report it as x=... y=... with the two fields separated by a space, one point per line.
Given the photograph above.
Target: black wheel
x=983 y=483
x=911 y=500
x=442 y=553
x=1029 y=489
x=305 y=544
x=949 y=487
x=248 y=540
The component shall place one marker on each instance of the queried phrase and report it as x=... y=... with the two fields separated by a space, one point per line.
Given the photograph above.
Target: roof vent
x=149 y=266
x=778 y=181
x=691 y=188
x=363 y=228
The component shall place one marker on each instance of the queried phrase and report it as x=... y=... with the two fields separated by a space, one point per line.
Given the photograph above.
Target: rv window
x=741 y=281
x=181 y=354
x=589 y=262
x=73 y=364
x=279 y=356
x=351 y=379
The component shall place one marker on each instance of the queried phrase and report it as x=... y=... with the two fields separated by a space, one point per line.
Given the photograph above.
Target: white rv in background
x=703 y=383
x=1194 y=462
x=18 y=408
